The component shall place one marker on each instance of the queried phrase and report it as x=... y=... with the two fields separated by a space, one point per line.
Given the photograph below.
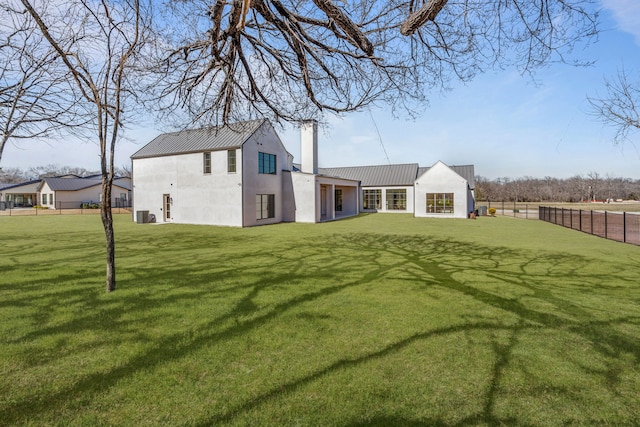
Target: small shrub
x=492 y=211
x=41 y=207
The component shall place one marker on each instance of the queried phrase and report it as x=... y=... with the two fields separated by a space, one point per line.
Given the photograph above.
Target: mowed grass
x=377 y=320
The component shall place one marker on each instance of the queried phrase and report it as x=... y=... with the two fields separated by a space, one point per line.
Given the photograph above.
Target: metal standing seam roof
x=197 y=140
x=376 y=176
x=70 y=184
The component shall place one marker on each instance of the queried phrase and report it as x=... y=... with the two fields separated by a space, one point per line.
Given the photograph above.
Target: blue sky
x=504 y=123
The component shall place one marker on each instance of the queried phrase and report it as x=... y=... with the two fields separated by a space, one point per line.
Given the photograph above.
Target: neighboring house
x=21 y=195
x=242 y=175
x=65 y=192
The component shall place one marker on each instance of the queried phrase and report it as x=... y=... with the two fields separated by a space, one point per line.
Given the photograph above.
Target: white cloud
x=626 y=14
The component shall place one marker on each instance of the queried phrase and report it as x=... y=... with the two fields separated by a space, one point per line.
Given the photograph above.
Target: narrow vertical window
x=44 y=198
x=231 y=161
x=206 y=163
x=338 y=199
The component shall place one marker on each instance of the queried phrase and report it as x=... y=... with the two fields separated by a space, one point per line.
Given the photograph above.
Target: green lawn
x=377 y=320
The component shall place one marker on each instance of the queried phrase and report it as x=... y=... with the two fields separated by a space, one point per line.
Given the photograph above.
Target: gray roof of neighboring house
x=197 y=140
x=22 y=184
x=376 y=176
x=70 y=184
x=465 y=171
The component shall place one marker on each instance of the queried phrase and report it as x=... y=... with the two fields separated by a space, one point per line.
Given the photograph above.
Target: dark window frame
x=267 y=163
x=206 y=163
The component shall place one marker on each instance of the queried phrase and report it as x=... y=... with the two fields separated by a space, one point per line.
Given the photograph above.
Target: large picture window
x=265 y=206
x=206 y=163
x=397 y=200
x=372 y=199
x=440 y=203
x=267 y=163
x=231 y=161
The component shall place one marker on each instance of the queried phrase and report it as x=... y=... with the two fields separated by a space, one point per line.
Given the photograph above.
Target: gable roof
x=374 y=176
x=70 y=184
x=465 y=171
x=198 y=140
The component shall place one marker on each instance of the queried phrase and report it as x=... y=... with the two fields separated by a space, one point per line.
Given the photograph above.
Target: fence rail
x=619 y=226
x=63 y=208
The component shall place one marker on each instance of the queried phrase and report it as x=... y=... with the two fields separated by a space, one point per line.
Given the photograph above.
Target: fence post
x=580 y=221
x=606 y=226
x=624 y=227
x=571 y=218
x=591 y=211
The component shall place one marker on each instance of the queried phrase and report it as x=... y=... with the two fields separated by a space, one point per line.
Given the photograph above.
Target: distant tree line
x=17 y=175
x=575 y=189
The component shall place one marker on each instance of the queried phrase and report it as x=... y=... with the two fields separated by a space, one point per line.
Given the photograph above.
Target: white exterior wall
x=442 y=179
x=48 y=191
x=152 y=178
x=74 y=199
x=197 y=198
x=264 y=140
x=306 y=194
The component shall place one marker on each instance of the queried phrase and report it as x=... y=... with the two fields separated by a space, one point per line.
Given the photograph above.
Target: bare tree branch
x=620 y=107
x=98 y=43
x=36 y=99
x=294 y=59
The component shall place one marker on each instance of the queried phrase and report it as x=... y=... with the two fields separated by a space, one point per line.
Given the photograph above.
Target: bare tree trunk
x=107 y=221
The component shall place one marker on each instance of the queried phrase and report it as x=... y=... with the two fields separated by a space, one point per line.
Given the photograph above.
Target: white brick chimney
x=309 y=146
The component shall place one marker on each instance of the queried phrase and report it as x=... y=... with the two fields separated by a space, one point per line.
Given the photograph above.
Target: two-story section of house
x=229 y=175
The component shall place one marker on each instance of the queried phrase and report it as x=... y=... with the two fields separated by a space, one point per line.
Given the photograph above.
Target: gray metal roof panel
x=71 y=184
x=376 y=176
x=22 y=184
x=467 y=172
x=197 y=140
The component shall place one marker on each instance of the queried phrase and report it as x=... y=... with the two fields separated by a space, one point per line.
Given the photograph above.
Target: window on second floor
x=231 y=161
x=206 y=163
x=266 y=163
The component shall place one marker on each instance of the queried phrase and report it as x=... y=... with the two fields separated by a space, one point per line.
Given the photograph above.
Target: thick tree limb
x=417 y=19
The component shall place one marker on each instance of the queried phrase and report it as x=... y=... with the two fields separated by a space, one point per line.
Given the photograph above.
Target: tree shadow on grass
x=338 y=264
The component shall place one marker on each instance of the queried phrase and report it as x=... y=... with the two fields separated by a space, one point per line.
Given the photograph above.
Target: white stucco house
x=242 y=175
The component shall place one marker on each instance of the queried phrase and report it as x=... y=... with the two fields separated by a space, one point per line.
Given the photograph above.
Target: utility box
x=142 y=217
x=482 y=210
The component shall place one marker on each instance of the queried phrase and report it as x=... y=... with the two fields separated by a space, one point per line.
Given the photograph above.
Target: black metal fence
x=618 y=226
x=83 y=207
x=516 y=210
